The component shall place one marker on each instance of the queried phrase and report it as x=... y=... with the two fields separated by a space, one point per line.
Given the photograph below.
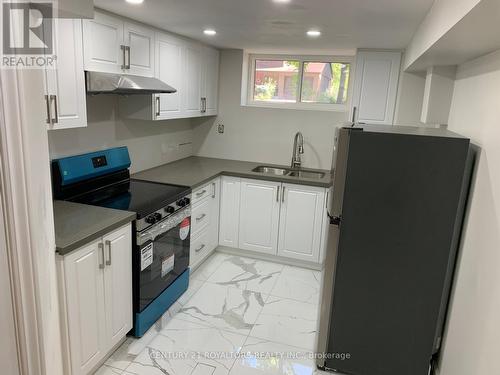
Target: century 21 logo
x=27 y=28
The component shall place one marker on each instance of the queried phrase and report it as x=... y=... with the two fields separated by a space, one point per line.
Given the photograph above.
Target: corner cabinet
x=376 y=86
x=273 y=218
x=65 y=84
x=95 y=286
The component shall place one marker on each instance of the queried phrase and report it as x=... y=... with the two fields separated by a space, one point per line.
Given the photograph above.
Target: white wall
x=472 y=340
x=410 y=99
x=443 y=15
x=150 y=143
x=262 y=134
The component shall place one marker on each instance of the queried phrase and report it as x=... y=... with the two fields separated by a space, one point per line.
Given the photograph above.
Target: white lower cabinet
x=259 y=216
x=301 y=222
x=229 y=211
x=204 y=222
x=96 y=299
x=274 y=218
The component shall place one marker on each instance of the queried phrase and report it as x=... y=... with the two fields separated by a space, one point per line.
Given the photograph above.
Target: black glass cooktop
x=139 y=196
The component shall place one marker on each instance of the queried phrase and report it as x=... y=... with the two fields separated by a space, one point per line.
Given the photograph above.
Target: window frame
x=299 y=104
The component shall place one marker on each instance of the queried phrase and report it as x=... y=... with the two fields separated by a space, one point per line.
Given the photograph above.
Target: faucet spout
x=298 y=149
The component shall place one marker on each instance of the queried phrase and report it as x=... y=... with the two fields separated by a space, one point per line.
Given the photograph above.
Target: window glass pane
x=276 y=81
x=325 y=83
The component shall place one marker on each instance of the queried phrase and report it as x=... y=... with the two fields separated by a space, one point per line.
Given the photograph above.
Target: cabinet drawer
x=201 y=216
x=202 y=193
x=200 y=247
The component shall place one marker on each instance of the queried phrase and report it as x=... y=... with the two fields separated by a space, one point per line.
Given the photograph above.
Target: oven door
x=162 y=254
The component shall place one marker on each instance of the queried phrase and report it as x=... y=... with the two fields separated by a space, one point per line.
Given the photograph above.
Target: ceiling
x=267 y=25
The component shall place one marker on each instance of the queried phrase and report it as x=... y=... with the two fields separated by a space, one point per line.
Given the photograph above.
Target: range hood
x=124 y=84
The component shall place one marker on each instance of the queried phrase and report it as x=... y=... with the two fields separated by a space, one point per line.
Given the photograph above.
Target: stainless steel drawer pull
x=278 y=194
x=157 y=106
x=101 y=255
x=55 y=120
x=128 y=61
x=49 y=113
x=213 y=184
x=199 y=194
x=201 y=217
x=200 y=248
x=283 y=194
x=108 y=262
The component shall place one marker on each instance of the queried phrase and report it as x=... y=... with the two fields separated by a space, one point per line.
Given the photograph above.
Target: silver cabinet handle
x=201 y=217
x=199 y=194
x=101 y=250
x=55 y=120
x=49 y=112
x=108 y=244
x=204 y=105
x=213 y=184
x=200 y=248
x=326 y=203
x=278 y=194
x=127 y=48
x=123 y=48
x=157 y=105
x=283 y=194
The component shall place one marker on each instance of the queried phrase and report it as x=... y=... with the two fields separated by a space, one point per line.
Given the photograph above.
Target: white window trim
x=299 y=105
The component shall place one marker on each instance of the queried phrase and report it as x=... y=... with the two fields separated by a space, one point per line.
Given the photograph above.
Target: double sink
x=288 y=172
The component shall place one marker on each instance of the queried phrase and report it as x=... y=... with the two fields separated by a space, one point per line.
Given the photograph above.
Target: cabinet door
x=140 y=56
x=215 y=209
x=118 y=284
x=259 y=216
x=301 y=221
x=102 y=42
x=375 y=86
x=210 y=81
x=65 y=85
x=168 y=68
x=192 y=80
x=84 y=281
x=229 y=211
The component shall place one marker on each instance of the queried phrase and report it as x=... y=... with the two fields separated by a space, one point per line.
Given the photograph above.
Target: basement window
x=299 y=82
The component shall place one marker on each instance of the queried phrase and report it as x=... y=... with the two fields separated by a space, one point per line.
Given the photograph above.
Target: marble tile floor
x=240 y=316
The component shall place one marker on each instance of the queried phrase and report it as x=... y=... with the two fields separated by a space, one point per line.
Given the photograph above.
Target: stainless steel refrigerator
x=395 y=224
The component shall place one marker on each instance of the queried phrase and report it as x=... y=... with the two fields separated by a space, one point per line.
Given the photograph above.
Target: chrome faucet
x=298 y=149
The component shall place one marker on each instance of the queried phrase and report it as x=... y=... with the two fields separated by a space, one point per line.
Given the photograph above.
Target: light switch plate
x=220 y=128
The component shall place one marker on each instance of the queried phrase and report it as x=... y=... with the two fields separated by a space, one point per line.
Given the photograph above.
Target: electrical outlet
x=220 y=128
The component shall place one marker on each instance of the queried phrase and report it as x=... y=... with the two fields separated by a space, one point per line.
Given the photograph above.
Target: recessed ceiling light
x=281 y=1
x=314 y=33
x=210 y=32
x=135 y=1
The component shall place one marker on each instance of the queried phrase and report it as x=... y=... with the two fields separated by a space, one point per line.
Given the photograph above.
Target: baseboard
x=271 y=258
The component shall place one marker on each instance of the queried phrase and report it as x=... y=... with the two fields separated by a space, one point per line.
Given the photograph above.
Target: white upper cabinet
x=103 y=45
x=192 y=80
x=375 y=86
x=169 y=69
x=140 y=45
x=112 y=45
x=65 y=85
x=301 y=222
x=229 y=211
x=210 y=82
x=259 y=215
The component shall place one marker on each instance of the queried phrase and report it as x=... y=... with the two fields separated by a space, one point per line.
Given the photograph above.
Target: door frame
x=28 y=217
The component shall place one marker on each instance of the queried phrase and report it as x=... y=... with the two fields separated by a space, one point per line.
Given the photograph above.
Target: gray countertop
x=78 y=224
x=194 y=171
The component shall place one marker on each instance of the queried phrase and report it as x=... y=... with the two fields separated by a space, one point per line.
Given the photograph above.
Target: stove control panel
x=163 y=213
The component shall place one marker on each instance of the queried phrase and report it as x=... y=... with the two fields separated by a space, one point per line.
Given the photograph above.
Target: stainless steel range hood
x=124 y=84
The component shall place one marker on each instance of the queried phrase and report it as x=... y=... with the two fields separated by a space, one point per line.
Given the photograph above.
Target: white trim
x=28 y=220
x=248 y=80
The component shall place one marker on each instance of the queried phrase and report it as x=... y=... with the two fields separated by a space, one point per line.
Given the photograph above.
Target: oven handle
x=163 y=226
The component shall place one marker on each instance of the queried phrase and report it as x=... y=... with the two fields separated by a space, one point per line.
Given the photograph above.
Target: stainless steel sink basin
x=270 y=170
x=288 y=172
x=306 y=174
